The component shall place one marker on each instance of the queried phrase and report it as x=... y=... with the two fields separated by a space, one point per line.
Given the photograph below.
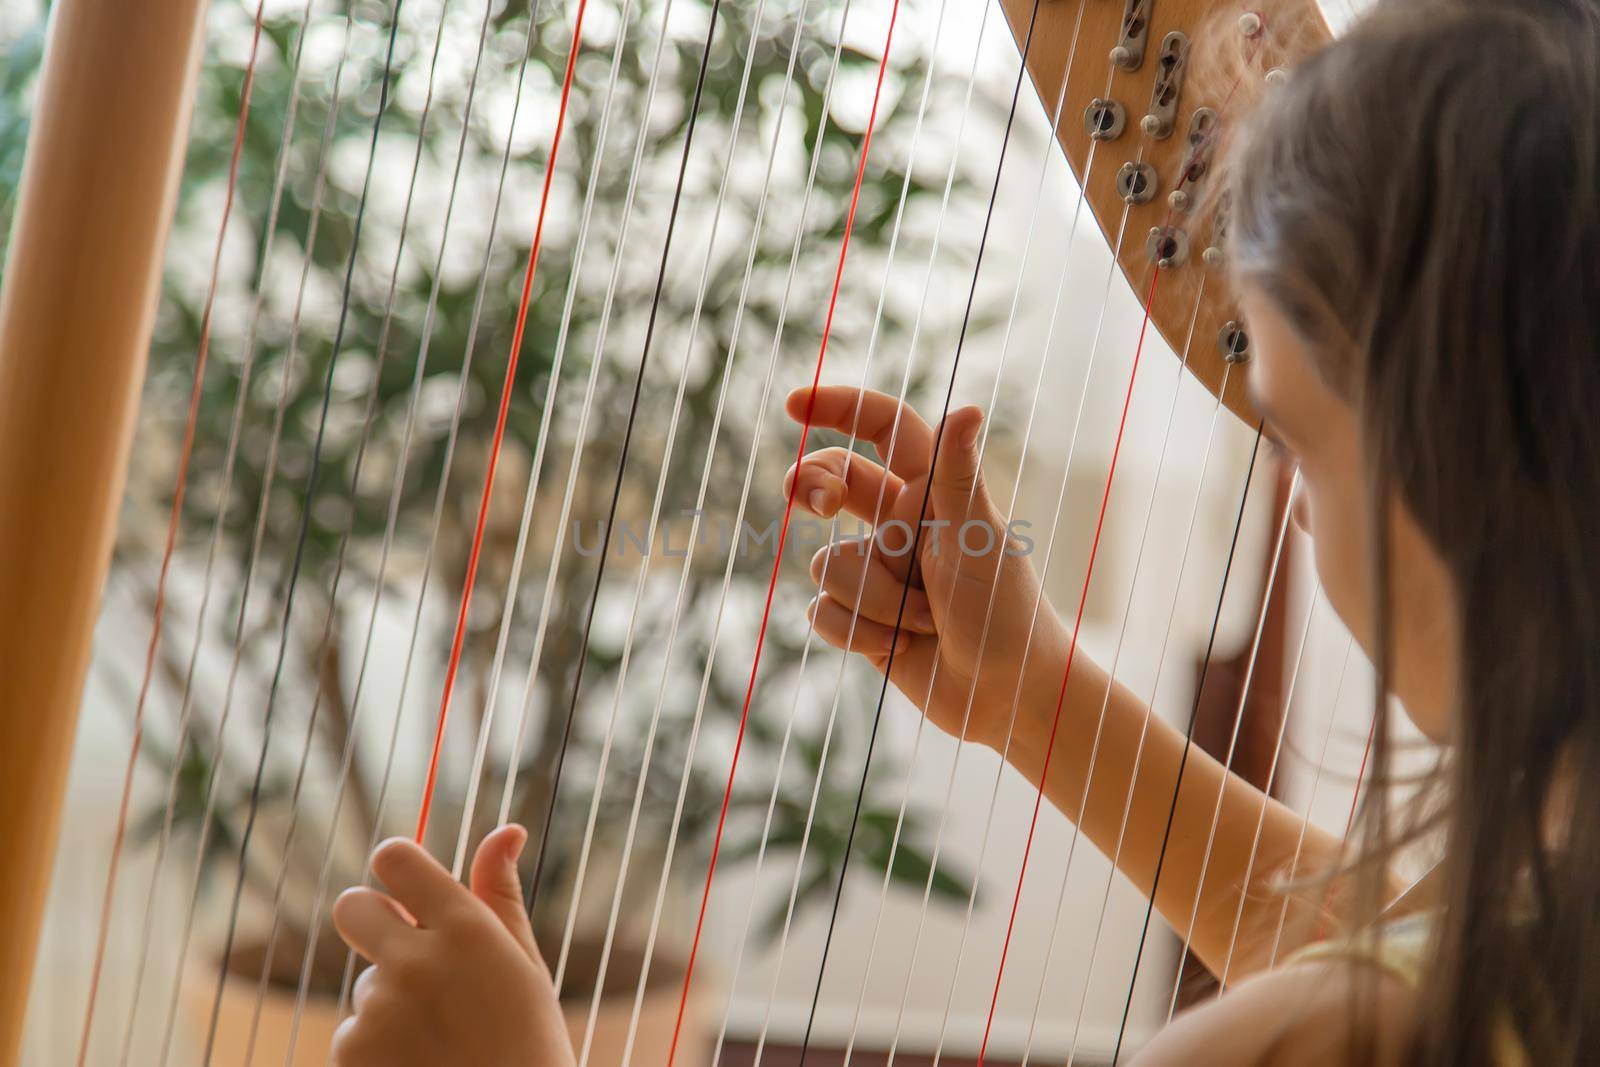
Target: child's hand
x=463 y=982
x=958 y=573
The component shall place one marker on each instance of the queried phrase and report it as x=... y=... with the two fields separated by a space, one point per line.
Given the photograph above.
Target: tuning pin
x=1212 y=256
x=1277 y=76
x=1250 y=24
x=1121 y=56
x=1178 y=200
x=1234 y=342
x=1151 y=125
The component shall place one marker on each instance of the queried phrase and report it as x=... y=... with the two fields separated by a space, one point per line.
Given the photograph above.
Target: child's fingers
x=361 y=991
x=833 y=623
x=871 y=416
x=370 y=923
x=418 y=882
x=854 y=577
x=832 y=479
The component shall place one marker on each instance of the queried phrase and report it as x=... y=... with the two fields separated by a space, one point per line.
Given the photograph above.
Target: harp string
x=916 y=537
x=530 y=493
x=174 y=518
x=303 y=532
x=1185 y=177
x=1127 y=612
x=1255 y=843
x=579 y=435
x=982 y=450
x=783 y=530
x=1233 y=736
x=368 y=422
x=258 y=534
x=651 y=733
x=1216 y=620
x=1316 y=780
x=495 y=673
x=1083 y=600
x=446 y=465
x=616 y=489
x=928 y=886
x=512 y=360
x=616 y=492
x=186 y=451
x=693 y=541
x=761 y=409
x=1232 y=739
x=1188 y=746
x=347 y=756
x=945 y=806
x=849 y=449
x=1183 y=564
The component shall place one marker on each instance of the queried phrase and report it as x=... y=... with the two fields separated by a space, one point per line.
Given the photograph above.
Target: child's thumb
x=959 y=494
x=496 y=883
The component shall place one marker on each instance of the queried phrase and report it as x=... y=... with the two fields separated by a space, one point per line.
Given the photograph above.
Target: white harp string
x=871 y=352
x=671 y=838
x=1268 y=589
x=1255 y=841
x=269 y=469
x=646 y=558
x=451 y=440
x=531 y=492
x=838 y=686
x=224 y=494
x=1122 y=632
x=1216 y=815
x=391 y=521
x=1048 y=155
x=578 y=437
x=1077 y=426
x=331 y=616
x=1311 y=797
x=625 y=859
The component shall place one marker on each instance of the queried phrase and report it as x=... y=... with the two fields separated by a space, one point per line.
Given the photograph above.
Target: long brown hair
x=1422 y=199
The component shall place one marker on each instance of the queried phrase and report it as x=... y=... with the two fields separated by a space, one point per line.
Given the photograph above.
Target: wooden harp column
x=81 y=281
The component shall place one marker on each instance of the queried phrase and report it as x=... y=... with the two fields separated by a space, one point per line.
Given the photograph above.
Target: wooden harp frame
x=81 y=283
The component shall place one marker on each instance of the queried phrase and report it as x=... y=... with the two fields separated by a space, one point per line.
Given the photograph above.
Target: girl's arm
x=972 y=649
x=1316 y=1015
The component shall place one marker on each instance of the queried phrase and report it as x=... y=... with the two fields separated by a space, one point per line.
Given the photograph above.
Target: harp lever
x=1132 y=35
x=1163 y=113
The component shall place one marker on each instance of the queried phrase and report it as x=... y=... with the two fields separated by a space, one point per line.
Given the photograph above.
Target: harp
x=1122 y=92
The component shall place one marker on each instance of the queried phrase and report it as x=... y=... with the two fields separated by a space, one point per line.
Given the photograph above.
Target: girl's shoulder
x=1298 y=1014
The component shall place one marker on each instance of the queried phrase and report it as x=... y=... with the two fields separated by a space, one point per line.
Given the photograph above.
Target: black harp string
x=330 y=620
x=186 y=727
x=896 y=228
x=258 y=536
x=379 y=582
x=622 y=460
x=302 y=534
x=446 y=464
x=916 y=537
x=1188 y=741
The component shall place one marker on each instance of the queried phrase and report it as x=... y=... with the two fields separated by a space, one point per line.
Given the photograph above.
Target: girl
x=1416 y=246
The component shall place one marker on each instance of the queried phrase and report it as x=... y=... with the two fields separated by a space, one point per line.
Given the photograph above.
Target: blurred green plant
x=290 y=347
